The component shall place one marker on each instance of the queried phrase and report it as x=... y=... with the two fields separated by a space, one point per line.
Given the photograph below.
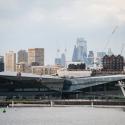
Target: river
x=62 y=116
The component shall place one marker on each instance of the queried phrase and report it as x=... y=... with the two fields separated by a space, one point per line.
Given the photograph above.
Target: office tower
x=100 y=55
x=36 y=56
x=91 y=58
x=58 y=61
x=80 y=51
x=22 y=56
x=1 y=63
x=63 y=60
x=74 y=57
x=110 y=52
x=10 y=61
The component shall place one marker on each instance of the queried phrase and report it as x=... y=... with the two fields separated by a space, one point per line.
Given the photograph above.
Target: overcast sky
x=56 y=24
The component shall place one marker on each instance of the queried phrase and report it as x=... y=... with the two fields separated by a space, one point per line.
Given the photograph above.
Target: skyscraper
x=74 y=57
x=80 y=51
x=10 y=61
x=91 y=58
x=22 y=56
x=100 y=55
x=58 y=61
x=36 y=56
x=1 y=63
x=63 y=60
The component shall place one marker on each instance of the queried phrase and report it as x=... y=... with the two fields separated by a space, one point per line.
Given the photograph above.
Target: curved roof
x=79 y=83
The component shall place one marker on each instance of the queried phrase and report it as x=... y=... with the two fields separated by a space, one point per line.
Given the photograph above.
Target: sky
x=56 y=24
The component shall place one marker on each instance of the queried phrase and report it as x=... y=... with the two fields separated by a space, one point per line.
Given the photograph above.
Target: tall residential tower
x=10 y=61
x=36 y=56
x=22 y=56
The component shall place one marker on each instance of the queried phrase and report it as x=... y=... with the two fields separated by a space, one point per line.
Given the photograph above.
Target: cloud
x=41 y=22
x=91 y=12
x=72 y=13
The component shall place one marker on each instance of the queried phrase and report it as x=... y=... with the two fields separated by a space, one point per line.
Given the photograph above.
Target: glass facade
x=80 y=51
x=67 y=88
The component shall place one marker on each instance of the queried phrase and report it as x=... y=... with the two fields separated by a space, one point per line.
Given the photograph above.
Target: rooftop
x=27 y=75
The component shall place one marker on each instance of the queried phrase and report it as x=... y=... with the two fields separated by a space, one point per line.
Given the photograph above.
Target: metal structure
x=37 y=86
x=110 y=36
x=123 y=46
x=122 y=86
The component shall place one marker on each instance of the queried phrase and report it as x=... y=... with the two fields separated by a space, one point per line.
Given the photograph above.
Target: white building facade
x=10 y=61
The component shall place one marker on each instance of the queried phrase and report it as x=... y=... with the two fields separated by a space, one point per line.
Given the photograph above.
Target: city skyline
x=57 y=24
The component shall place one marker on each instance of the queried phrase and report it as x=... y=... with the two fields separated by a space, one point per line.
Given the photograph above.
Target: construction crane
x=123 y=46
x=110 y=36
x=107 y=42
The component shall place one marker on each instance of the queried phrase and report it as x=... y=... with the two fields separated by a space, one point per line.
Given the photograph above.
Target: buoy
x=4 y=111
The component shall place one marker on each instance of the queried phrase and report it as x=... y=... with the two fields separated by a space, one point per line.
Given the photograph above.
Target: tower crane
x=107 y=42
x=110 y=36
x=123 y=46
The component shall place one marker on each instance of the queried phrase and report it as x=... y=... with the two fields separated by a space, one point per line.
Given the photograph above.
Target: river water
x=62 y=116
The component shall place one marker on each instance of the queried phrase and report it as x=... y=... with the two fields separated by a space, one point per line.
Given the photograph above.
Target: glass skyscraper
x=80 y=51
x=63 y=60
x=91 y=58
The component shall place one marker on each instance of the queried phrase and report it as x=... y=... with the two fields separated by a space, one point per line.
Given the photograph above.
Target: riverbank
x=57 y=103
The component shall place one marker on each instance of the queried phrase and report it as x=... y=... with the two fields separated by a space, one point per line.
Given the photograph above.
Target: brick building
x=113 y=63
